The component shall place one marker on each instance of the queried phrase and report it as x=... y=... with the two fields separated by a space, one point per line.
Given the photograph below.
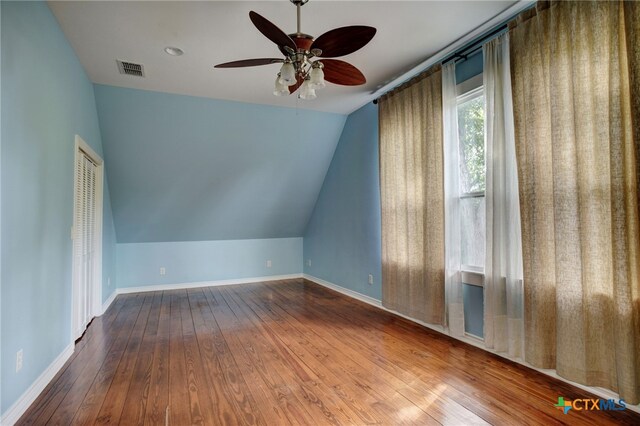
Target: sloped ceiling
x=185 y=160
x=184 y=168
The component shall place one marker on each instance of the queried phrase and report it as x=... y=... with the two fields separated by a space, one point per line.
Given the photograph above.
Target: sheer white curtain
x=503 y=319
x=452 y=280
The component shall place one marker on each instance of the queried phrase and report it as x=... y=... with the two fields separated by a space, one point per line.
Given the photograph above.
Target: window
x=472 y=179
x=471 y=158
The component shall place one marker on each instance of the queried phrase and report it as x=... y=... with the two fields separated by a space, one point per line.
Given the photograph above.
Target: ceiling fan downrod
x=299 y=4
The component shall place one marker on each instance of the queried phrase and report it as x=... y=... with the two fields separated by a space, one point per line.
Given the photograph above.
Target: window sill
x=475 y=278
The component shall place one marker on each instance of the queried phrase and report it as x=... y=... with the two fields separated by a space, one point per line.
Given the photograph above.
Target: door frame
x=95 y=306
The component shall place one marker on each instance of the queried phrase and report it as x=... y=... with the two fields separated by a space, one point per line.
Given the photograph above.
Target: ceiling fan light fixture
x=306 y=91
x=299 y=70
x=288 y=74
x=317 y=78
x=280 y=89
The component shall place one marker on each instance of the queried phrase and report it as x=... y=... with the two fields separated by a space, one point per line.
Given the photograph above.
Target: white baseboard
x=601 y=392
x=180 y=286
x=13 y=413
x=354 y=294
x=370 y=300
x=108 y=302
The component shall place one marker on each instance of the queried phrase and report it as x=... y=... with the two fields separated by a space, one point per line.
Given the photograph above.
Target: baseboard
x=601 y=392
x=354 y=294
x=180 y=286
x=109 y=301
x=13 y=413
x=370 y=300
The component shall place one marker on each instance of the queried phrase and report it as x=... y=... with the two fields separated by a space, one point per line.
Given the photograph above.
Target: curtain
x=411 y=189
x=574 y=70
x=503 y=322
x=452 y=278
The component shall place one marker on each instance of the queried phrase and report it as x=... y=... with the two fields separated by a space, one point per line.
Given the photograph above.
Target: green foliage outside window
x=471 y=134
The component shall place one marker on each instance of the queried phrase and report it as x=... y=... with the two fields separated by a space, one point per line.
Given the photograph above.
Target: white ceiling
x=409 y=32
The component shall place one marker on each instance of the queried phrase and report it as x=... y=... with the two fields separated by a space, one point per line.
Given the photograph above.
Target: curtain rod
x=475 y=45
x=464 y=53
x=488 y=29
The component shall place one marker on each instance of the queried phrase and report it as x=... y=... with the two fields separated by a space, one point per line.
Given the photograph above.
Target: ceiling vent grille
x=130 y=68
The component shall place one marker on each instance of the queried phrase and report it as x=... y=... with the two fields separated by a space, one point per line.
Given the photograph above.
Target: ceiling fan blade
x=341 y=72
x=344 y=40
x=271 y=31
x=299 y=81
x=250 y=63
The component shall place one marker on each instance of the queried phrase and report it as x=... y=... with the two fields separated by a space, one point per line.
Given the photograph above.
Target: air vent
x=129 y=68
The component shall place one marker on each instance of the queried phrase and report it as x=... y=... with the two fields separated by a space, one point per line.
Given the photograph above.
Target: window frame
x=466 y=91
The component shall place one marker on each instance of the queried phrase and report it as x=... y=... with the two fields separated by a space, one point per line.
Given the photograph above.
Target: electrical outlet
x=163 y=271
x=308 y=262
x=268 y=264
x=19 y=360
x=370 y=279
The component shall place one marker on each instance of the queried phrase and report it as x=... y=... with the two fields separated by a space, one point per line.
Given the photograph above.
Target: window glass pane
x=472 y=231
x=471 y=135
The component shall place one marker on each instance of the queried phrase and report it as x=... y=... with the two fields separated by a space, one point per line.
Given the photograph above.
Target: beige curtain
x=412 y=198
x=574 y=68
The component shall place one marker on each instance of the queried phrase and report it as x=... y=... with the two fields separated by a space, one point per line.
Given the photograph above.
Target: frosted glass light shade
x=317 y=78
x=288 y=74
x=306 y=91
x=280 y=89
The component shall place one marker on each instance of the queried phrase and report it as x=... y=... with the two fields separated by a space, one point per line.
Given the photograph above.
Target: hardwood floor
x=288 y=352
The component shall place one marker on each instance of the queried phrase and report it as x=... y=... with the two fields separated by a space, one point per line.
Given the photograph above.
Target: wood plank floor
x=288 y=352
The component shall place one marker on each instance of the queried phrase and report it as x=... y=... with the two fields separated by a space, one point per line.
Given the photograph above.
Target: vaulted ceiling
x=197 y=153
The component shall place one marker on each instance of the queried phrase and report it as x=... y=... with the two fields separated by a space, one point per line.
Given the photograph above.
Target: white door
x=87 y=237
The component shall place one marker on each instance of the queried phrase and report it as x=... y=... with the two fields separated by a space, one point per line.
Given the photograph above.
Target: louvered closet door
x=84 y=239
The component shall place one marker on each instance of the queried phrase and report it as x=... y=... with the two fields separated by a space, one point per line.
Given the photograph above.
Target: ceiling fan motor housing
x=302 y=41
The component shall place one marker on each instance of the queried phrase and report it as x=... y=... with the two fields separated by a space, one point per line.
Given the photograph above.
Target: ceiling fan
x=305 y=64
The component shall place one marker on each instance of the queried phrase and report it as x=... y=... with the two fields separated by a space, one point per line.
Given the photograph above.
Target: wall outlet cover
x=19 y=360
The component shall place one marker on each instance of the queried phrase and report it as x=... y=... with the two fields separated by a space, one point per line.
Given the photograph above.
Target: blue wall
x=342 y=239
x=109 y=260
x=196 y=261
x=469 y=68
x=46 y=100
x=473 y=302
x=184 y=168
